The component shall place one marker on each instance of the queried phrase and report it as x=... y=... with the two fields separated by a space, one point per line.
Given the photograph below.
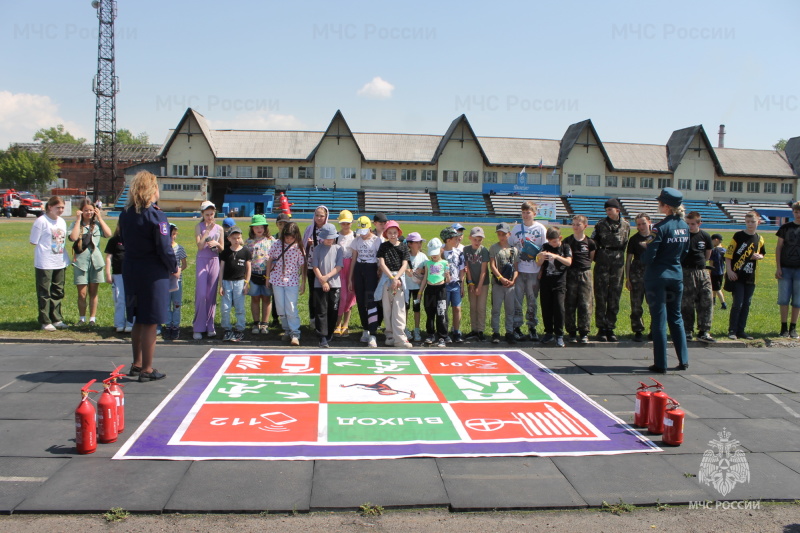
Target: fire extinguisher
x=642 y=411
x=673 y=424
x=658 y=404
x=107 y=415
x=116 y=391
x=86 y=422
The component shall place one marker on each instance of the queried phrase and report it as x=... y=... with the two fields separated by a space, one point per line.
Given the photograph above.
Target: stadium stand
x=710 y=213
x=507 y=205
x=592 y=207
x=394 y=201
x=736 y=211
x=461 y=203
x=770 y=211
x=122 y=199
x=307 y=200
x=636 y=205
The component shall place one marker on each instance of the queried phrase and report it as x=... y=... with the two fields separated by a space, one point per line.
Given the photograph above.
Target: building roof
x=520 y=152
x=637 y=157
x=679 y=142
x=742 y=162
x=125 y=152
x=397 y=146
x=242 y=144
x=571 y=138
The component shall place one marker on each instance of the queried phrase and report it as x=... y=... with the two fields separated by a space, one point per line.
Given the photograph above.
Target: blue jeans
x=232 y=294
x=789 y=287
x=174 y=308
x=740 y=309
x=286 y=303
x=664 y=297
x=118 y=292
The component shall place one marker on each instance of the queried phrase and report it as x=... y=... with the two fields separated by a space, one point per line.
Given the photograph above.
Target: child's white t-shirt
x=367 y=250
x=49 y=236
x=521 y=233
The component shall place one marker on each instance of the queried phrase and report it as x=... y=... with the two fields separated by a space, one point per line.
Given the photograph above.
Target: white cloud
x=377 y=89
x=21 y=114
x=260 y=121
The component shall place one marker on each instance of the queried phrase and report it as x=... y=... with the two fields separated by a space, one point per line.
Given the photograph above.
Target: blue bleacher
x=122 y=199
x=461 y=203
x=592 y=207
x=711 y=214
x=307 y=200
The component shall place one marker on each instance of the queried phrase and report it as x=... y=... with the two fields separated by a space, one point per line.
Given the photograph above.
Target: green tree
x=56 y=135
x=125 y=136
x=22 y=169
x=780 y=145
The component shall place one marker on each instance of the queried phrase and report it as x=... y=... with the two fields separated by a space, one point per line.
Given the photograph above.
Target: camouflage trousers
x=609 y=279
x=578 y=302
x=637 y=296
x=697 y=297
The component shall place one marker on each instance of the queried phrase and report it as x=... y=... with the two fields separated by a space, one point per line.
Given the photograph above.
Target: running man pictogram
x=382 y=388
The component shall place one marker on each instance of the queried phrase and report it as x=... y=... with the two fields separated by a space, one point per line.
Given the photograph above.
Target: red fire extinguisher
x=673 y=424
x=642 y=411
x=116 y=391
x=658 y=404
x=86 y=422
x=107 y=415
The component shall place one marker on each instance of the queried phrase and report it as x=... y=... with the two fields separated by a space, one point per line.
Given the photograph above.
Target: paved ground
x=752 y=392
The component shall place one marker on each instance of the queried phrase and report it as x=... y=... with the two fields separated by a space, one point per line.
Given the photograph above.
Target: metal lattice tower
x=105 y=86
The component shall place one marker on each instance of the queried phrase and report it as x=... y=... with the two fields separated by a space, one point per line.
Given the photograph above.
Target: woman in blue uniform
x=663 y=279
x=149 y=262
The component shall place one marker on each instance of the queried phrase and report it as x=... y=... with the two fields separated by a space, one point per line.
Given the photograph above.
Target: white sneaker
x=295 y=341
x=254 y=331
x=61 y=325
x=365 y=336
x=197 y=336
x=373 y=342
x=49 y=327
x=390 y=342
x=128 y=329
x=212 y=334
x=120 y=330
x=403 y=344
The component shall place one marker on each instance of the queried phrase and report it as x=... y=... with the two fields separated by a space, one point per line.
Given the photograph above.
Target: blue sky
x=639 y=70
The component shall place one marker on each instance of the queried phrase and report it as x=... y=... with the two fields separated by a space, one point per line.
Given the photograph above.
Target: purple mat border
x=150 y=440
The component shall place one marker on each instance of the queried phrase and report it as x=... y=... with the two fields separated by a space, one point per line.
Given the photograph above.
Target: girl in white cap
x=347 y=298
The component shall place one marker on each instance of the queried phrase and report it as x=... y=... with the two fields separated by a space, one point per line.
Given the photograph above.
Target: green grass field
x=18 y=310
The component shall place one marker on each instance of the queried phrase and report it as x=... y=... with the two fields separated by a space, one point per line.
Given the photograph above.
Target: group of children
x=385 y=273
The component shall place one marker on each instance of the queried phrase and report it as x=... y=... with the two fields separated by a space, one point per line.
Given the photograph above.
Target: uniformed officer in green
x=611 y=237
x=663 y=279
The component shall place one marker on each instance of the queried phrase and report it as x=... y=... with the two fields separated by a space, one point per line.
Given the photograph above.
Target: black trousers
x=365 y=281
x=435 y=301
x=326 y=312
x=552 y=301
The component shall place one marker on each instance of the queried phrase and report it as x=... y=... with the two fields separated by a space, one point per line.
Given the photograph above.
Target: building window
x=592 y=180
x=180 y=187
x=348 y=173
x=490 y=177
x=510 y=177
x=180 y=170
x=753 y=186
x=471 y=176
x=770 y=188
x=719 y=186
x=368 y=174
x=664 y=182
x=554 y=179
x=408 y=175
x=451 y=176
x=645 y=183
x=685 y=185
x=244 y=172
x=201 y=170
x=573 y=179
x=264 y=172
x=736 y=186
x=327 y=173
x=388 y=174
x=628 y=182
x=305 y=173
x=533 y=179
x=787 y=188
x=611 y=181
x=285 y=173
x=224 y=171
x=428 y=175
x=701 y=185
